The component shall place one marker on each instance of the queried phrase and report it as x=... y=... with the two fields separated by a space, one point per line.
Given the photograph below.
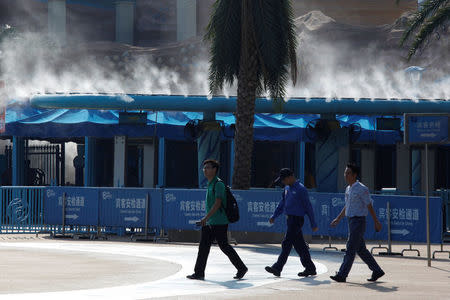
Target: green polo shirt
x=219 y=218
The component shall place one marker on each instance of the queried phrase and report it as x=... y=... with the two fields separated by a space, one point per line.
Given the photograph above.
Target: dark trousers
x=356 y=244
x=294 y=237
x=218 y=232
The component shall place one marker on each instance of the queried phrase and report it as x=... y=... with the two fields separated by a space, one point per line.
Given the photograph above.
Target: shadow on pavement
x=232 y=284
x=313 y=282
x=376 y=286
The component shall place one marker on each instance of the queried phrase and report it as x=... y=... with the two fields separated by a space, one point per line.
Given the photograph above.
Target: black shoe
x=307 y=273
x=375 y=276
x=195 y=277
x=273 y=271
x=240 y=274
x=338 y=278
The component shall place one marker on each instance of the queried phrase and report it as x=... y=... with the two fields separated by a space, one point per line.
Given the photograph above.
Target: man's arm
x=336 y=221
x=368 y=201
x=279 y=209
x=213 y=210
x=374 y=217
x=309 y=210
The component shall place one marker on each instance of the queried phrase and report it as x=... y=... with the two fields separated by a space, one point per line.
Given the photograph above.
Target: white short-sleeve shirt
x=357 y=197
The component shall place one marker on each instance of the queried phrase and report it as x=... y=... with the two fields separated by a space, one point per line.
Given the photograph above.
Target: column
x=301 y=162
x=125 y=21
x=120 y=144
x=162 y=162
x=368 y=167
x=208 y=145
x=416 y=171
x=403 y=168
x=344 y=154
x=186 y=19
x=149 y=165
x=431 y=167
x=89 y=161
x=328 y=154
x=57 y=21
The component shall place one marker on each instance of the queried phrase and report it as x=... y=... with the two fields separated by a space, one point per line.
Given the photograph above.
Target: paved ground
x=42 y=268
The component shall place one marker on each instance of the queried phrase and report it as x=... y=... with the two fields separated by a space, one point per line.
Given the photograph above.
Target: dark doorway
x=269 y=158
x=385 y=167
x=181 y=164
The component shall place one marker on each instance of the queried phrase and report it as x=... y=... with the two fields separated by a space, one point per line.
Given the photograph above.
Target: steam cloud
x=329 y=68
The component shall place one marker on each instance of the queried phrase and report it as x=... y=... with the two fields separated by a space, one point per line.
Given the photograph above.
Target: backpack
x=232 y=208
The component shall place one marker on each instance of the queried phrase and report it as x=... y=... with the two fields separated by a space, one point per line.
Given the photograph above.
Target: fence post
x=64 y=214
x=329 y=243
x=162 y=234
x=389 y=252
x=389 y=227
x=147 y=202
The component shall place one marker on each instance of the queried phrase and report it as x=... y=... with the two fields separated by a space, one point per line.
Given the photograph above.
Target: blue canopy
x=109 y=4
x=24 y=120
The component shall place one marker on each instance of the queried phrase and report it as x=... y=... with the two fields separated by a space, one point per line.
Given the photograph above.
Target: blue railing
x=21 y=209
x=120 y=210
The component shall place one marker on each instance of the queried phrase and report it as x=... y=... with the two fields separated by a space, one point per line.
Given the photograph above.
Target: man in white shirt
x=357 y=205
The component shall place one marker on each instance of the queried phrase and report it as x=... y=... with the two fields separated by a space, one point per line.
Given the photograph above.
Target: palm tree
x=253 y=42
x=432 y=15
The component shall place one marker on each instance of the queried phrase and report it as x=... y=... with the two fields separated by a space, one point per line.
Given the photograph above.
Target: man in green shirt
x=215 y=224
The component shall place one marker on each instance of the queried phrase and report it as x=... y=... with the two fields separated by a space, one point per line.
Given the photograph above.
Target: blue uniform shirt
x=357 y=198
x=295 y=201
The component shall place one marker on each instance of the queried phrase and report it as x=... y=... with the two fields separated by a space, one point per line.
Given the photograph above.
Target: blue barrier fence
x=183 y=207
x=104 y=207
x=25 y=209
x=21 y=209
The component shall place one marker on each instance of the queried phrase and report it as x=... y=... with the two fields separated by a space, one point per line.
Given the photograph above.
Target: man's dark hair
x=214 y=164
x=354 y=168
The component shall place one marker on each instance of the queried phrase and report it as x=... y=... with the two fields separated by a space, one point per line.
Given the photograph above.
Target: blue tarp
x=109 y=4
x=24 y=120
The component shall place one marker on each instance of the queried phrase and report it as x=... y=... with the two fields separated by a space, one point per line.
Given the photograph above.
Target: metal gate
x=44 y=164
x=21 y=209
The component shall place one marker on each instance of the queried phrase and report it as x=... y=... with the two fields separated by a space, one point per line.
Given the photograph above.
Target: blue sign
x=121 y=207
x=408 y=218
x=255 y=210
x=81 y=206
x=182 y=208
x=326 y=207
x=427 y=128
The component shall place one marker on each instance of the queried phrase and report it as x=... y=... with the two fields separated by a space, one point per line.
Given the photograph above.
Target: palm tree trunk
x=246 y=95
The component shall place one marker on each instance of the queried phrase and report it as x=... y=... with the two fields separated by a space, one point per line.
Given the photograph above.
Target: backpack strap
x=214 y=192
x=214 y=187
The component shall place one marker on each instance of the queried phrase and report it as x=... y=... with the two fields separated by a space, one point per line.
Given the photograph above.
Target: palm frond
x=289 y=25
x=428 y=9
x=441 y=17
x=276 y=42
x=224 y=32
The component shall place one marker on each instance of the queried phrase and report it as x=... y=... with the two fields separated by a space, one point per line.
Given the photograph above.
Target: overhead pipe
x=348 y=106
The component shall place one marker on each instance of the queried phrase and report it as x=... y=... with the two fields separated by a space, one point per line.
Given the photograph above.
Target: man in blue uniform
x=357 y=205
x=295 y=204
